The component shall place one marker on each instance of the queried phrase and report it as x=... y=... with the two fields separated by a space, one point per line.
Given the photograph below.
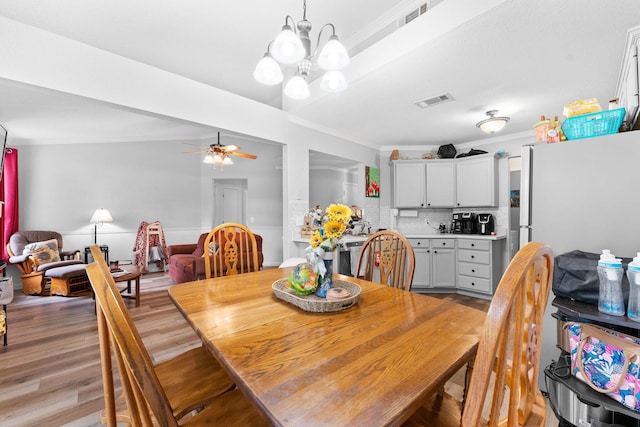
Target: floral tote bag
x=607 y=361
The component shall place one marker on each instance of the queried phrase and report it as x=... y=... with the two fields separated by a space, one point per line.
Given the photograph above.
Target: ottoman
x=68 y=279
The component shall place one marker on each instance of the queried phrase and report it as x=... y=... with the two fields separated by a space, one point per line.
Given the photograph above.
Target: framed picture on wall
x=372 y=181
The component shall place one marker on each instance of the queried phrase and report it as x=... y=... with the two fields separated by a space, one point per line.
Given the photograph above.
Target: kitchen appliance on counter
x=456 y=223
x=469 y=223
x=486 y=224
x=464 y=223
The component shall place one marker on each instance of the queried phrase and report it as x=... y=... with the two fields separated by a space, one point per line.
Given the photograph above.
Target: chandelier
x=293 y=47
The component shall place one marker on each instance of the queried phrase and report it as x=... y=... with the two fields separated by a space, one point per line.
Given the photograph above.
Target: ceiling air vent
x=415 y=13
x=429 y=102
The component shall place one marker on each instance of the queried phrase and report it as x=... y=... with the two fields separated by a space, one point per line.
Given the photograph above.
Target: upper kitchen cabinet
x=448 y=183
x=628 y=88
x=441 y=184
x=409 y=185
x=476 y=184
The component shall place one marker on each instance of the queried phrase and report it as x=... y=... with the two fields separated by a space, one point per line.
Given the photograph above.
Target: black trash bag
x=447 y=151
x=472 y=152
x=575 y=276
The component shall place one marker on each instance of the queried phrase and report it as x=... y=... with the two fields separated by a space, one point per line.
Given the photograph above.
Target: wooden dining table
x=371 y=364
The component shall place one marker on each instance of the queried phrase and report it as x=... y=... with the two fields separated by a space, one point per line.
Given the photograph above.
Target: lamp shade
x=297 y=88
x=287 y=47
x=268 y=71
x=333 y=81
x=492 y=124
x=333 y=55
x=100 y=216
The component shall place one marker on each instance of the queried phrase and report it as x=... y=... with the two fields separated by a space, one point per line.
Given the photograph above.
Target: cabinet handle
x=473 y=244
x=473 y=256
x=428 y=251
x=418 y=243
x=444 y=243
x=435 y=252
x=473 y=271
x=473 y=284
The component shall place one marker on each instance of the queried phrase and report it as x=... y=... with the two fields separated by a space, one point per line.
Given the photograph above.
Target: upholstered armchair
x=40 y=258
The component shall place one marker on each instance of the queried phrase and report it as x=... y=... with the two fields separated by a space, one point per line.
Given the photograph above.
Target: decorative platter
x=313 y=303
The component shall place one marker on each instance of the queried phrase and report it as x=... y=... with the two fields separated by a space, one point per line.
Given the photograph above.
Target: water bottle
x=633 y=274
x=610 y=273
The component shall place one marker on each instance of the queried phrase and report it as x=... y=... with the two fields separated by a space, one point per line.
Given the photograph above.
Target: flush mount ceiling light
x=492 y=124
x=293 y=47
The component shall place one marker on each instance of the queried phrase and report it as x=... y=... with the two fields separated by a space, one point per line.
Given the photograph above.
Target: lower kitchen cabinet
x=435 y=264
x=467 y=266
x=479 y=265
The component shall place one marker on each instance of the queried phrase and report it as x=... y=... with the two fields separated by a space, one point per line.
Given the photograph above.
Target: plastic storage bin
x=594 y=124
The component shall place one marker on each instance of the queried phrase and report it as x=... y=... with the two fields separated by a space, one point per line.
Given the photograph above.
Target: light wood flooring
x=50 y=371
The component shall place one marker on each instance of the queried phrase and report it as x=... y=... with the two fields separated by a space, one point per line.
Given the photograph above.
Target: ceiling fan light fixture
x=333 y=81
x=208 y=159
x=492 y=124
x=227 y=161
x=297 y=88
x=268 y=71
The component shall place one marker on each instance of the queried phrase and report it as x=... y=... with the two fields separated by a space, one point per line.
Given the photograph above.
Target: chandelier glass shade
x=493 y=124
x=292 y=46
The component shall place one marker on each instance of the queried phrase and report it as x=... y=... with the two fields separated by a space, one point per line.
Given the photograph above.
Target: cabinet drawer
x=419 y=243
x=480 y=257
x=443 y=243
x=474 y=284
x=474 y=270
x=483 y=245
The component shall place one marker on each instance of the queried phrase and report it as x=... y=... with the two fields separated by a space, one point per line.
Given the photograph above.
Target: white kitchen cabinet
x=448 y=183
x=443 y=263
x=476 y=183
x=409 y=185
x=435 y=264
x=422 y=272
x=441 y=184
x=479 y=265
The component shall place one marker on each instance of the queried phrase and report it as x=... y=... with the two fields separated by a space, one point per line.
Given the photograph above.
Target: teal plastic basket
x=593 y=124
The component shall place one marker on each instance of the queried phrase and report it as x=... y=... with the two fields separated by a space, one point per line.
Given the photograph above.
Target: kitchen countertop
x=359 y=239
x=456 y=236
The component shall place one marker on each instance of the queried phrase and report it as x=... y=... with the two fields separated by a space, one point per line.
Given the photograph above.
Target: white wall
x=62 y=185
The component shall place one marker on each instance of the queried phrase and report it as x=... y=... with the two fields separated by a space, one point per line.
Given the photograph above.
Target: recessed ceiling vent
x=430 y=102
x=414 y=14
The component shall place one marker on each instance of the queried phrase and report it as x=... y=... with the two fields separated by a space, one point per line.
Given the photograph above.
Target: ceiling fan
x=218 y=154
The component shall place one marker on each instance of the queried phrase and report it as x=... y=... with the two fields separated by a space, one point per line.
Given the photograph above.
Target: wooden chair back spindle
x=229 y=249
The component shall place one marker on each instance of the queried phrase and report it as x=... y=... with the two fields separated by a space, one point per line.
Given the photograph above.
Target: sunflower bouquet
x=335 y=222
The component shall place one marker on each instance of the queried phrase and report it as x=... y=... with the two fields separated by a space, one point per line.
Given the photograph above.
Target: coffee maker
x=486 y=224
x=468 y=223
x=456 y=223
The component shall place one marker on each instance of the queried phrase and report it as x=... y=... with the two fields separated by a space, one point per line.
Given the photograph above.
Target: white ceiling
x=524 y=58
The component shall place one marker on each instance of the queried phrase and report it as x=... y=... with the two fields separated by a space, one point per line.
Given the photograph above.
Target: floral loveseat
x=186 y=261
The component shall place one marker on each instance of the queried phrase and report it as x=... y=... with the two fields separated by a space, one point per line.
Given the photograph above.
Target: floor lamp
x=99 y=217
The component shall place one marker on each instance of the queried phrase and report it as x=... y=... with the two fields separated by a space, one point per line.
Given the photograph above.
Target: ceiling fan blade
x=195 y=145
x=195 y=152
x=248 y=156
x=231 y=147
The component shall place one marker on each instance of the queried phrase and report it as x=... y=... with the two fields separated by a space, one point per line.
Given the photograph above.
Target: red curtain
x=9 y=195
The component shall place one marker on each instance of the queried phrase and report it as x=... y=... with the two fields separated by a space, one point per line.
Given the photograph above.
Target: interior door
x=229 y=201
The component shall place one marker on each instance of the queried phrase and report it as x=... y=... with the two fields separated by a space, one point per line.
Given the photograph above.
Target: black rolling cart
x=574 y=402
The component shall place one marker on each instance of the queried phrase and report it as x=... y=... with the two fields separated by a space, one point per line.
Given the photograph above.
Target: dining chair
x=229 y=249
x=164 y=393
x=387 y=257
x=6 y=296
x=503 y=386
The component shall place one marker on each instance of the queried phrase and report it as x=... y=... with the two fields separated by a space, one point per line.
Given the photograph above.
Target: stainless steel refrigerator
x=582 y=194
